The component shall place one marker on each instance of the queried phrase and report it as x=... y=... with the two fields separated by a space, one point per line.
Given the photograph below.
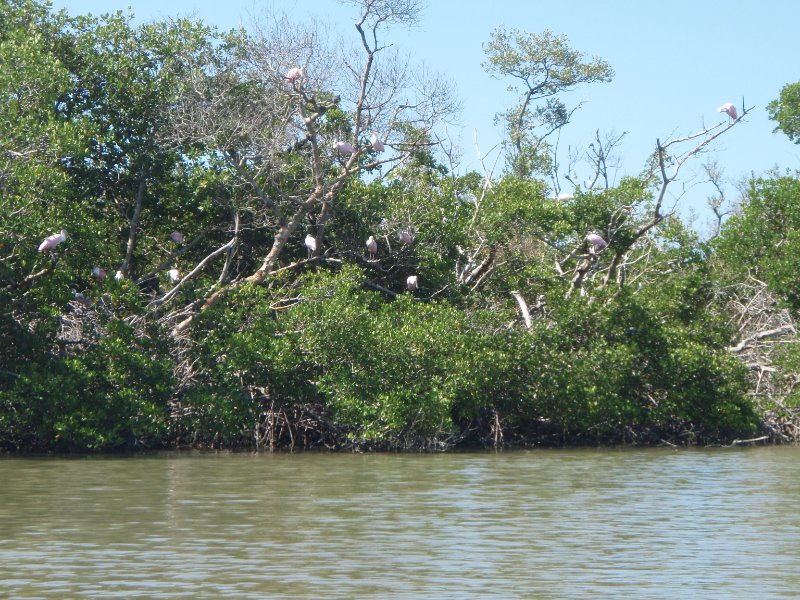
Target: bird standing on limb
x=311 y=245
x=729 y=109
x=51 y=241
x=372 y=247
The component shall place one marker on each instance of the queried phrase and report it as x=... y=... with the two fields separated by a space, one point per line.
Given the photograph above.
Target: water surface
x=721 y=523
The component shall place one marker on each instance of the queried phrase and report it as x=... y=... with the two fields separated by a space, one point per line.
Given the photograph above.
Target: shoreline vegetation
x=262 y=240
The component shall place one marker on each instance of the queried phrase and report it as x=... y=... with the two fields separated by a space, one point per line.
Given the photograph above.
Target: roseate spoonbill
x=176 y=236
x=99 y=273
x=411 y=283
x=344 y=147
x=404 y=237
x=598 y=242
x=174 y=275
x=293 y=75
x=51 y=241
x=377 y=144
x=311 y=244
x=372 y=247
x=728 y=109
x=119 y=276
x=565 y=196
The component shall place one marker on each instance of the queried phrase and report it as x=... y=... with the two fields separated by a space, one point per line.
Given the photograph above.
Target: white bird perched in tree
x=377 y=144
x=51 y=241
x=293 y=75
x=174 y=274
x=411 y=283
x=729 y=109
x=311 y=244
x=99 y=273
x=176 y=236
x=565 y=196
x=598 y=242
x=372 y=247
x=119 y=276
x=344 y=147
x=404 y=237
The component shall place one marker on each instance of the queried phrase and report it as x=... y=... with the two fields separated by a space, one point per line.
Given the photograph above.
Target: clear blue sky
x=675 y=63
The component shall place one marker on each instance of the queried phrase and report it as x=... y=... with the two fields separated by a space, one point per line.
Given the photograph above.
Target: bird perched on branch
x=99 y=273
x=377 y=144
x=293 y=75
x=51 y=241
x=311 y=244
x=176 y=236
x=344 y=147
x=404 y=237
x=411 y=283
x=729 y=109
x=372 y=247
x=598 y=242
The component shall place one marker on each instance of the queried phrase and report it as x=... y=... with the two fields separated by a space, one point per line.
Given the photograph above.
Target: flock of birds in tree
x=294 y=78
x=403 y=237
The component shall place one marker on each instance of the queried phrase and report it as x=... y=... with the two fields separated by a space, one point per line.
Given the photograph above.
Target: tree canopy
x=214 y=287
x=786 y=111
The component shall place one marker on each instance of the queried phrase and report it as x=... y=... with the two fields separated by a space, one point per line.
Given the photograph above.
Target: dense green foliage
x=763 y=240
x=122 y=135
x=786 y=111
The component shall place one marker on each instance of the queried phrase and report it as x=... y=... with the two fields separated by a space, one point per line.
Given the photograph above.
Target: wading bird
x=311 y=244
x=372 y=247
x=411 y=283
x=176 y=236
x=344 y=147
x=293 y=75
x=377 y=144
x=51 y=241
x=565 y=197
x=404 y=237
x=174 y=275
x=598 y=242
x=728 y=109
x=99 y=273
x=119 y=276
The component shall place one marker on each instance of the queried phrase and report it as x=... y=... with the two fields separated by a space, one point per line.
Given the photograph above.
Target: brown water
x=721 y=523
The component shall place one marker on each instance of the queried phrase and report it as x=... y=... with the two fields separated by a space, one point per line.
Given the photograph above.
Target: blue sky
x=675 y=63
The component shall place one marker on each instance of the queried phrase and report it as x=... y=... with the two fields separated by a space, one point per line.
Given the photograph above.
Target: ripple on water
x=545 y=524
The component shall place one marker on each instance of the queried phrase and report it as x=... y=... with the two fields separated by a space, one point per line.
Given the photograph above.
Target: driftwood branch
x=523 y=308
x=784 y=329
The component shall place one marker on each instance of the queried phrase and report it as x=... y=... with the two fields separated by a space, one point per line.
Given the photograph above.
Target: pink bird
x=404 y=237
x=377 y=144
x=411 y=283
x=344 y=147
x=311 y=244
x=372 y=247
x=293 y=75
x=176 y=236
x=51 y=241
x=729 y=109
x=99 y=273
x=174 y=274
x=598 y=242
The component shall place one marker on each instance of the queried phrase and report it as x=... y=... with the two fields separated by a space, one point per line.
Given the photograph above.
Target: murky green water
x=719 y=523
